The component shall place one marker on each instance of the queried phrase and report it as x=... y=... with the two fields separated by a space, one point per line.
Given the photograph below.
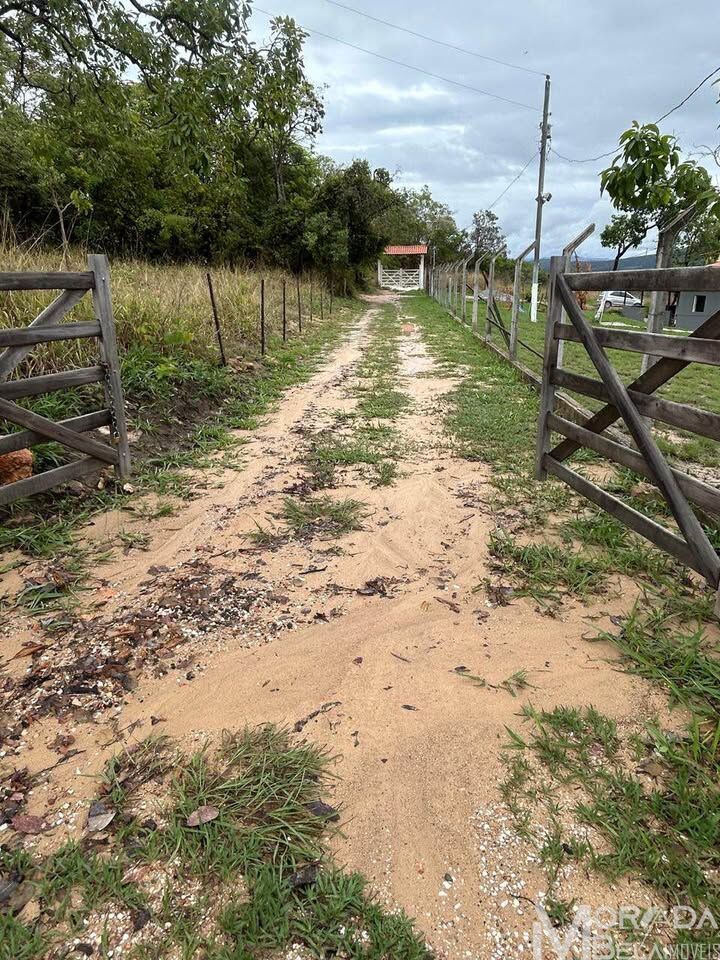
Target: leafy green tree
x=354 y=201
x=288 y=109
x=63 y=47
x=699 y=242
x=624 y=232
x=485 y=233
x=648 y=177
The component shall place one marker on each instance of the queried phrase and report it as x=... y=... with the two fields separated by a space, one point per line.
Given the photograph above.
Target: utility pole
x=544 y=140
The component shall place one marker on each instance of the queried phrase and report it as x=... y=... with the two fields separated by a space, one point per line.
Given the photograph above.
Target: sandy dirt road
x=357 y=643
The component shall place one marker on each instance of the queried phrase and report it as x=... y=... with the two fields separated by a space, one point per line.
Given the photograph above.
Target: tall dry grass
x=161 y=308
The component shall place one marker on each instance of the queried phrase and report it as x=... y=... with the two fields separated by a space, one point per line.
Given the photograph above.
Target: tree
x=60 y=47
x=485 y=233
x=699 y=242
x=352 y=201
x=624 y=232
x=649 y=178
x=415 y=216
x=288 y=108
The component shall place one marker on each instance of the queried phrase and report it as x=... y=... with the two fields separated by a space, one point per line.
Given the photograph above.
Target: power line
x=441 y=43
x=512 y=183
x=677 y=106
x=600 y=156
x=408 y=66
x=691 y=94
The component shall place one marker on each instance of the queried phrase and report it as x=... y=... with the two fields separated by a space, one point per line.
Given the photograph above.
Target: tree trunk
x=279 y=181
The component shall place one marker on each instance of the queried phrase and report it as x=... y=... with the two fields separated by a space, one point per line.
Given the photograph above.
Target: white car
x=618 y=298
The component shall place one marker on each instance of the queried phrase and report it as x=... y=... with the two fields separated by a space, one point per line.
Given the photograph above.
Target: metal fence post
x=476 y=295
x=463 y=291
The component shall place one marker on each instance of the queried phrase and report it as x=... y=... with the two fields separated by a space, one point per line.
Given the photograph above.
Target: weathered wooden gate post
x=547 y=395
x=102 y=302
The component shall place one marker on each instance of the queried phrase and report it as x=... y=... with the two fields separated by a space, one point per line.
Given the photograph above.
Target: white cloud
x=611 y=62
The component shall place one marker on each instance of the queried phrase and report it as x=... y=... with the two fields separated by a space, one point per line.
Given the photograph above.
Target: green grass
x=260 y=871
x=650 y=804
x=544 y=568
x=697 y=385
x=156 y=387
x=367 y=437
x=374 y=446
x=664 y=829
x=323 y=516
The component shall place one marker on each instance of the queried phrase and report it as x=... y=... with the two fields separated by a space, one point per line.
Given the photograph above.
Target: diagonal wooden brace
x=707 y=559
x=53 y=431
x=648 y=382
x=52 y=314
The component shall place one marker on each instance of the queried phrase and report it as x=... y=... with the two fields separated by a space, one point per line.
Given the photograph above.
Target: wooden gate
x=48 y=328
x=632 y=404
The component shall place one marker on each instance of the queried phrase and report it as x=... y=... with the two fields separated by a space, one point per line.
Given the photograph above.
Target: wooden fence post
x=567 y=253
x=216 y=318
x=547 y=394
x=262 y=316
x=102 y=301
x=311 y=301
x=284 y=310
x=299 y=305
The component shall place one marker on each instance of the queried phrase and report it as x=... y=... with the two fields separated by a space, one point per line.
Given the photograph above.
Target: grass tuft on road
x=233 y=864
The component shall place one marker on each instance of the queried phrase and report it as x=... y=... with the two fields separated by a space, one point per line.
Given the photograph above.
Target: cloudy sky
x=611 y=62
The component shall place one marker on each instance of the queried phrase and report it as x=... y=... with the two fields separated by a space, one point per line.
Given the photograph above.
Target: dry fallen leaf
x=27 y=823
x=29 y=649
x=99 y=817
x=202 y=815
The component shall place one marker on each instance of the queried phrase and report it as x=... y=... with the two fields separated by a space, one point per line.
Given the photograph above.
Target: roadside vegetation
x=222 y=854
x=366 y=439
x=183 y=410
x=698 y=384
x=620 y=803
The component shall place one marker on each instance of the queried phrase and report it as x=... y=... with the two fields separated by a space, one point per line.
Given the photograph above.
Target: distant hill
x=627 y=263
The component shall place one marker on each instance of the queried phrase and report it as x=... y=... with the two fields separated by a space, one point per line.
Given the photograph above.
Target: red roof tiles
x=400 y=250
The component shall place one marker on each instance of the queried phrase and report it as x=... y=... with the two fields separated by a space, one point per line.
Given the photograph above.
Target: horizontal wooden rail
x=653 y=378
x=680 y=415
x=33 y=386
x=29 y=336
x=47 y=281
x=26 y=438
x=657 y=344
x=46 y=481
x=654 y=532
x=703 y=494
x=697 y=279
